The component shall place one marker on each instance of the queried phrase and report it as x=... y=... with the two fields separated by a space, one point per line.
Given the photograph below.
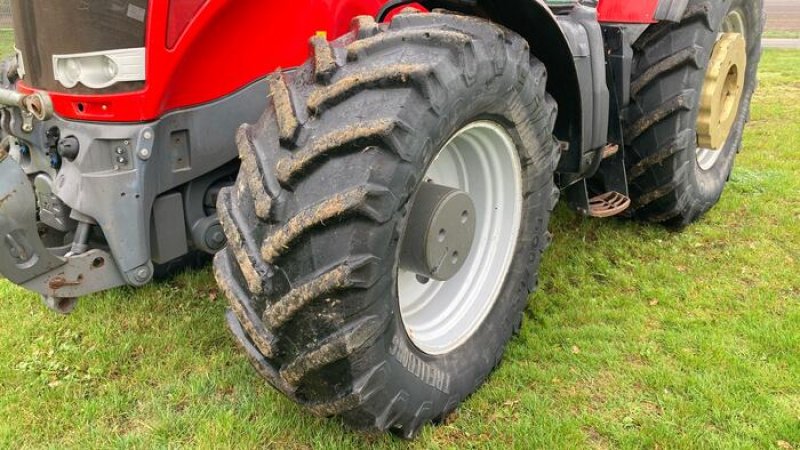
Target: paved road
x=783 y=15
x=793 y=44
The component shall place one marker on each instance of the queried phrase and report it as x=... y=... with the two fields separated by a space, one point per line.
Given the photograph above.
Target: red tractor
x=379 y=219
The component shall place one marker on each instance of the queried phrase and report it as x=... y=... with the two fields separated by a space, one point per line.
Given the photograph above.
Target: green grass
x=6 y=42
x=779 y=34
x=638 y=337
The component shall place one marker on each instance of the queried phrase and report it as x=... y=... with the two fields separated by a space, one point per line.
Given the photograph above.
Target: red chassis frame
x=227 y=44
x=627 y=11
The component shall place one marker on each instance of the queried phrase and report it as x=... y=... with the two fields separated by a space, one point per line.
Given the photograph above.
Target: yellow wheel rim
x=722 y=91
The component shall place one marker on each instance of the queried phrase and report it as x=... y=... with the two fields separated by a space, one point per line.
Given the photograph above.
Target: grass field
x=6 y=42
x=782 y=34
x=638 y=337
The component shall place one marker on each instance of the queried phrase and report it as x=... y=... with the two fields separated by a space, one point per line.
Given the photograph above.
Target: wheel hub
x=722 y=91
x=439 y=234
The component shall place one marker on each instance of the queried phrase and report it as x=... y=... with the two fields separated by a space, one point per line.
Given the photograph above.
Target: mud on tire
x=668 y=184
x=317 y=214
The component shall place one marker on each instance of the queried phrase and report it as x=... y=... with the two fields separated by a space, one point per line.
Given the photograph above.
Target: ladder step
x=608 y=205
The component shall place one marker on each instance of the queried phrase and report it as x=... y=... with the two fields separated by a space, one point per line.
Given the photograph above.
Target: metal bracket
x=27 y=122
x=23 y=255
x=84 y=274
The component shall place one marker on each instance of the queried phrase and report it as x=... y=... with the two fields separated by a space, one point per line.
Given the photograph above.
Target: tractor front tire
x=320 y=211
x=676 y=174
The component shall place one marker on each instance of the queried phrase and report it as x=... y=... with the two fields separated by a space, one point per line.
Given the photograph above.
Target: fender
x=571 y=47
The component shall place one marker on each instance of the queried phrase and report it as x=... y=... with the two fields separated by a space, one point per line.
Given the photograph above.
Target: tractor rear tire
x=320 y=208
x=672 y=181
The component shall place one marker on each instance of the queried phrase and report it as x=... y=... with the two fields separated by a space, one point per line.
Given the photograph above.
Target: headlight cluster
x=99 y=70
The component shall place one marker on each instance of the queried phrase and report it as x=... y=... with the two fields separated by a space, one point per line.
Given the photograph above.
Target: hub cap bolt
x=142 y=274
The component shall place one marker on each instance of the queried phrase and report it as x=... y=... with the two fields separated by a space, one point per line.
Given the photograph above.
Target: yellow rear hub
x=722 y=91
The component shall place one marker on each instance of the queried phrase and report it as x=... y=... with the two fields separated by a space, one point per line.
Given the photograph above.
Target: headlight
x=68 y=72
x=100 y=69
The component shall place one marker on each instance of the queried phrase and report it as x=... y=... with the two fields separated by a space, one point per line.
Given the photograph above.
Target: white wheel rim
x=734 y=23
x=481 y=159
